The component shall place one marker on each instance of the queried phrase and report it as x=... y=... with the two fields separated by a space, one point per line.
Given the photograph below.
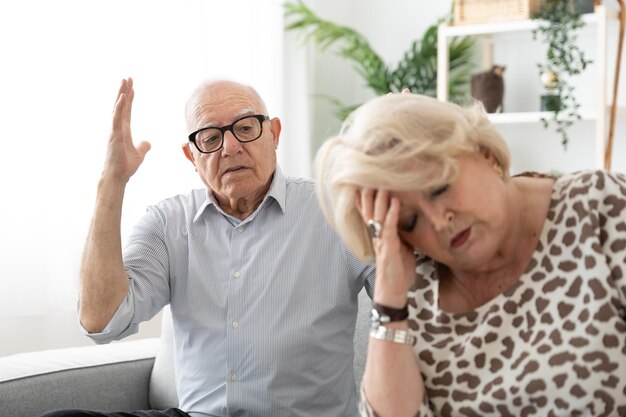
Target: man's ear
x=188 y=153
x=275 y=128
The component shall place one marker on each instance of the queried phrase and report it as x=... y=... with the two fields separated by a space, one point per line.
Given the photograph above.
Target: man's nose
x=231 y=144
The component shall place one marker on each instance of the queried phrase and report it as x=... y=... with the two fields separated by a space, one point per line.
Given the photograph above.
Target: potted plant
x=550 y=100
x=417 y=70
x=560 y=21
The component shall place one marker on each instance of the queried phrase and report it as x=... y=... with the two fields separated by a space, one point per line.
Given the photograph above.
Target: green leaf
x=416 y=70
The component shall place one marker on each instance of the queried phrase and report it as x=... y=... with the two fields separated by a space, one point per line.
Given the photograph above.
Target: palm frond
x=416 y=70
x=351 y=44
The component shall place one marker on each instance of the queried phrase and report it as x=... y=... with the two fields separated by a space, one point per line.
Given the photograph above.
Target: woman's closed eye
x=408 y=225
x=440 y=190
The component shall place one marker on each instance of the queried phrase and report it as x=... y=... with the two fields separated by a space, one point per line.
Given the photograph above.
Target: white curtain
x=62 y=62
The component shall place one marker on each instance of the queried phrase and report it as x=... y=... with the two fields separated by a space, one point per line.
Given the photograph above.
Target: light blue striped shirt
x=264 y=309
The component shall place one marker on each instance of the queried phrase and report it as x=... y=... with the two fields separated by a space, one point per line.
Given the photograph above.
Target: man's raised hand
x=123 y=157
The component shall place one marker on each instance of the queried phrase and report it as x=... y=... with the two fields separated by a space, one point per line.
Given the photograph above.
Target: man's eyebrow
x=236 y=116
x=242 y=113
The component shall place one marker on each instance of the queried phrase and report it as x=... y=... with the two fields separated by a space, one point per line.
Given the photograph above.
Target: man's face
x=238 y=171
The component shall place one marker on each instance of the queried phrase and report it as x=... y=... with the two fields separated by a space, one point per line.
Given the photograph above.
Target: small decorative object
x=481 y=11
x=550 y=101
x=584 y=6
x=559 y=22
x=488 y=87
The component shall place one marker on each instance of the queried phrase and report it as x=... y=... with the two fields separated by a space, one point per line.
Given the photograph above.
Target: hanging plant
x=417 y=70
x=560 y=21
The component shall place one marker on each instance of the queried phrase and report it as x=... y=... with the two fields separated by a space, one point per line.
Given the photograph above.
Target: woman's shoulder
x=579 y=194
x=590 y=183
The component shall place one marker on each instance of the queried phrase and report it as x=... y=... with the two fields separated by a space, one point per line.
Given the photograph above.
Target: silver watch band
x=392 y=335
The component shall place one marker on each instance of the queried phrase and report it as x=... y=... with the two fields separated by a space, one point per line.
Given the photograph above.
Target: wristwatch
x=381 y=314
x=392 y=335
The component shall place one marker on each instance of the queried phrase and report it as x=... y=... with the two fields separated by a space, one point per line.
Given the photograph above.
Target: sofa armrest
x=112 y=377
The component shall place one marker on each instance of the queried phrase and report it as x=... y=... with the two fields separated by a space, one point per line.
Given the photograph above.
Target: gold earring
x=498 y=169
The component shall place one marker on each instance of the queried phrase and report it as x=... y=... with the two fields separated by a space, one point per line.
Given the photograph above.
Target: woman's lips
x=460 y=238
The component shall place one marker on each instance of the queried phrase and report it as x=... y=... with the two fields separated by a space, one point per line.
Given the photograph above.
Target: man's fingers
x=118 y=112
x=131 y=96
x=143 y=147
x=405 y=90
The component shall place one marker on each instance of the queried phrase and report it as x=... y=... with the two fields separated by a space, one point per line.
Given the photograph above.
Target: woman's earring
x=498 y=169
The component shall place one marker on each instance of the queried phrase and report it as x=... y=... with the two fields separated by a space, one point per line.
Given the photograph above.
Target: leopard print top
x=552 y=345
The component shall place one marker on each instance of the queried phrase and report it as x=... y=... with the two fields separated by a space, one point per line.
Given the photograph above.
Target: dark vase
x=488 y=87
x=550 y=102
x=584 y=6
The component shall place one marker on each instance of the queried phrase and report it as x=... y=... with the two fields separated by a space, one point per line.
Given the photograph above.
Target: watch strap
x=391 y=313
x=402 y=337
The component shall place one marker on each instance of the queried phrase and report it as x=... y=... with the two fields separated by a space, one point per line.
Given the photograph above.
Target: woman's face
x=462 y=224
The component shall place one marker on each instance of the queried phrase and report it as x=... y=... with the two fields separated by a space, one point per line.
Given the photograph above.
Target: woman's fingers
x=381 y=206
x=367 y=203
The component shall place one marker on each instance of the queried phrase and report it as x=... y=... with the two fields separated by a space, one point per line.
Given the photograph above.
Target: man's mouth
x=234 y=169
x=460 y=238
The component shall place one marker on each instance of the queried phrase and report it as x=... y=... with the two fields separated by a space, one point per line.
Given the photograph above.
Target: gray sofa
x=122 y=376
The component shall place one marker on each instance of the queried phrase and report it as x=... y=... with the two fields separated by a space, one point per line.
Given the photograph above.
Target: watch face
x=378 y=319
x=375 y=318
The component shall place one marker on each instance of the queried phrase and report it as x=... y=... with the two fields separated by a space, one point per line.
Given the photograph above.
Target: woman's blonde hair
x=398 y=142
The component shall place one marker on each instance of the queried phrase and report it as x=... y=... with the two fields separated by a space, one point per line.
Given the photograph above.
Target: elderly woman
x=495 y=295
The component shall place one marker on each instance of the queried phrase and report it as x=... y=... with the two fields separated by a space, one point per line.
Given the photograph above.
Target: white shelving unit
x=599 y=19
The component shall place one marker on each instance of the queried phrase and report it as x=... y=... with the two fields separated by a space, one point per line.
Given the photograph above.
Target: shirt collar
x=277 y=191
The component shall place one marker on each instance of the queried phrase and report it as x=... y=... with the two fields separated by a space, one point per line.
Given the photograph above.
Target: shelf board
x=536 y=116
x=506 y=26
x=529 y=117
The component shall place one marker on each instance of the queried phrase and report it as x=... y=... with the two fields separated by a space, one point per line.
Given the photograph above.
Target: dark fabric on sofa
x=170 y=412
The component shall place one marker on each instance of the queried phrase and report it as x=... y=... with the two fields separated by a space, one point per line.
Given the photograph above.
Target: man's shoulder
x=190 y=201
x=300 y=187
x=300 y=181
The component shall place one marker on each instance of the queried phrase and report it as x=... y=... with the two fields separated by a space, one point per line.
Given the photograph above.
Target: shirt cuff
x=118 y=323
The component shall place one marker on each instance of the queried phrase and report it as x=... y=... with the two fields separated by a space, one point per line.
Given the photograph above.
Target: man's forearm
x=103 y=280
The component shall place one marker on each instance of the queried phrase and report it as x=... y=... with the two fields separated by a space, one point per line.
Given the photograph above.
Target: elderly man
x=263 y=294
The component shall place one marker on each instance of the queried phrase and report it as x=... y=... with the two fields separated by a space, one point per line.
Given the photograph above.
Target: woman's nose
x=441 y=219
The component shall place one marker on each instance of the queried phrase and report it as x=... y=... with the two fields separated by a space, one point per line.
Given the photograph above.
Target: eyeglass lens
x=245 y=130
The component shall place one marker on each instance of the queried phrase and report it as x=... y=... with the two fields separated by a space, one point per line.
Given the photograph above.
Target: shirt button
x=241 y=229
x=234 y=378
x=235 y=324
x=237 y=274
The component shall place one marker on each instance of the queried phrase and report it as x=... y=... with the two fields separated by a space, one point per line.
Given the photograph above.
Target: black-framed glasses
x=245 y=129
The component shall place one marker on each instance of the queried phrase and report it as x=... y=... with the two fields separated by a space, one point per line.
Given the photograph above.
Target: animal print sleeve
x=365 y=409
x=612 y=222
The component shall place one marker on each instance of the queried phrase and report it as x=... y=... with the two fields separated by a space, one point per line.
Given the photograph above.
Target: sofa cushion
x=162 y=380
x=109 y=377
x=361 y=335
